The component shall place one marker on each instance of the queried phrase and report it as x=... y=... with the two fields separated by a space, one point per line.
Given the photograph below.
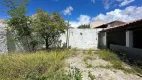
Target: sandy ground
x=100 y=73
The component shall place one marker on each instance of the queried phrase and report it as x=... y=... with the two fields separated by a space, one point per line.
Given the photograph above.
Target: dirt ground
x=100 y=73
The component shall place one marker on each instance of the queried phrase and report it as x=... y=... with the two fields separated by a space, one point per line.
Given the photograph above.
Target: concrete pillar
x=105 y=40
x=129 y=38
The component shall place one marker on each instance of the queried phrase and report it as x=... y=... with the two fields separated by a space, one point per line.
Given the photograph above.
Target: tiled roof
x=126 y=25
x=106 y=25
x=96 y=23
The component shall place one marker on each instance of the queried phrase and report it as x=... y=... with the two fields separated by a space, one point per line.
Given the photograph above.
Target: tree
x=49 y=26
x=84 y=26
x=18 y=22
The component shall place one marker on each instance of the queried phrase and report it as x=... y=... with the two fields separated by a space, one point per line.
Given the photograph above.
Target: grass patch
x=112 y=58
x=41 y=65
x=86 y=61
x=90 y=51
x=89 y=66
x=116 y=62
x=89 y=58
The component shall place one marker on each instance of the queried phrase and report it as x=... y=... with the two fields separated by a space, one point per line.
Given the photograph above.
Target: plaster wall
x=82 y=38
x=78 y=38
x=3 y=39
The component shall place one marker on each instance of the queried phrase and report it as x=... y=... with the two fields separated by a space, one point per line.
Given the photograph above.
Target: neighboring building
x=96 y=24
x=111 y=24
x=124 y=37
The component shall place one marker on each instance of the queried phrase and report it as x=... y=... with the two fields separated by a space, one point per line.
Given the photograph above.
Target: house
x=125 y=37
x=96 y=24
x=102 y=36
x=111 y=24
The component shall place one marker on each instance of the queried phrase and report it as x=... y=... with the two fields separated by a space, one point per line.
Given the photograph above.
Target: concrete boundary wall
x=82 y=38
x=78 y=38
x=3 y=39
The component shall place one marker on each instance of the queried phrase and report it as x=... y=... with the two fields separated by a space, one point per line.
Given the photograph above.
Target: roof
x=126 y=25
x=1 y=20
x=106 y=25
x=96 y=23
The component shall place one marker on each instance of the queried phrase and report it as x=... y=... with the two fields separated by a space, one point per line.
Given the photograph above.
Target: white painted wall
x=82 y=38
x=3 y=39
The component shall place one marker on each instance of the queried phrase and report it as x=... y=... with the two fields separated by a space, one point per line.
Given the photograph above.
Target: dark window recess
x=80 y=33
x=116 y=37
x=137 y=39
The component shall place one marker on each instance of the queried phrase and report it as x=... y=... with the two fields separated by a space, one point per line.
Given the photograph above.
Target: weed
x=75 y=74
x=116 y=62
x=86 y=59
x=112 y=58
x=84 y=51
x=92 y=77
x=41 y=65
x=90 y=51
x=89 y=66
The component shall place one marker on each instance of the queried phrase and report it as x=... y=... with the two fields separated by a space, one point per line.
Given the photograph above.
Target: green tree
x=84 y=26
x=49 y=26
x=18 y=22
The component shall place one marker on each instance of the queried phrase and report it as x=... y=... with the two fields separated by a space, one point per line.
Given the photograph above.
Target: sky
x=87 y=11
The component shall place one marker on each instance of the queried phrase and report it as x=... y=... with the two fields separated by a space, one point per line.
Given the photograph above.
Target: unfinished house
x=124 y=37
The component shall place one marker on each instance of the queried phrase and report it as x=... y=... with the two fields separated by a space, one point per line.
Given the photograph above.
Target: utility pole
x=67 y=40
